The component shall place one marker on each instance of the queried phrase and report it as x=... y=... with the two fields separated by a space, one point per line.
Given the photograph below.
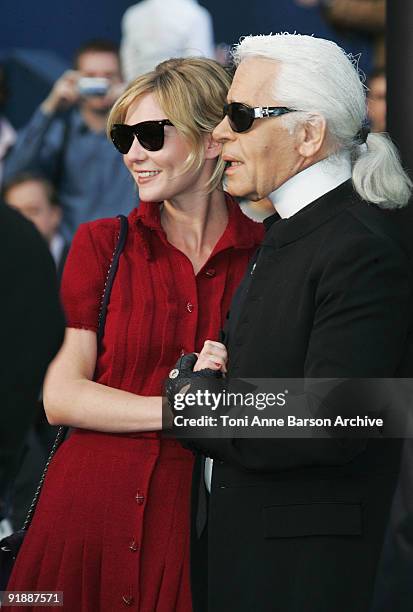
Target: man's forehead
x=98 y=60
x=254 y=82
x=34 y=189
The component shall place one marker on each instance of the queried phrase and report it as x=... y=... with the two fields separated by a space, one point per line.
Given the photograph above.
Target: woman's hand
x=213 y=356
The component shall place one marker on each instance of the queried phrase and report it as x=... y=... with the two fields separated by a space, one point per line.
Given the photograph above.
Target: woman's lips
x=145 y=176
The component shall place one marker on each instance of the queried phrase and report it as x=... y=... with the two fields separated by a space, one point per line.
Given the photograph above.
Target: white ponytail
x=378 y=176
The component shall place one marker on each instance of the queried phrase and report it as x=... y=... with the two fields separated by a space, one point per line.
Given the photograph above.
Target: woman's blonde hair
x=191 y=91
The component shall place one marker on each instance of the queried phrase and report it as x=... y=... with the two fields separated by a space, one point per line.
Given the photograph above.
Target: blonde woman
x=112 y=526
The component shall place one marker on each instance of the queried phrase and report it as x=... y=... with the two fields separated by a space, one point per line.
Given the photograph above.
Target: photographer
x=66 y=140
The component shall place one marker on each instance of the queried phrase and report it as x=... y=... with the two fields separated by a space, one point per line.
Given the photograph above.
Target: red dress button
x=127 y=600
x=139 y=498
x=210 y=273
x=133 y=546
x=189 y=307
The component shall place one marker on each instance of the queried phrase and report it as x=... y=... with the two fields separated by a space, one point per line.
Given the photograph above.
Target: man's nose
x=223 y=132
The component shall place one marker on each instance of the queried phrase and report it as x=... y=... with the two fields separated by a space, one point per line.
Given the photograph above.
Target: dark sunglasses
x=150 y=135
x=241 y=116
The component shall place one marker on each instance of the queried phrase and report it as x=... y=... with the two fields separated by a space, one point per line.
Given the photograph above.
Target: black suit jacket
x=298 y=525
x=32 y=328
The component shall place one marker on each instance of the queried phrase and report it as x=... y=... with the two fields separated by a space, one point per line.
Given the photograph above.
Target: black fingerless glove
x=183 y=379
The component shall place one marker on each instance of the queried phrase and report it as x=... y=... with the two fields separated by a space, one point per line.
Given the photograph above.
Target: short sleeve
x=84 y=275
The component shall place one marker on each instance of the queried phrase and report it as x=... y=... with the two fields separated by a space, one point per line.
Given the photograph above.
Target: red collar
x=240 y=232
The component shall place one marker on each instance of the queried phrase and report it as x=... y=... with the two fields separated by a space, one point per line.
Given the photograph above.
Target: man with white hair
x=293 y=524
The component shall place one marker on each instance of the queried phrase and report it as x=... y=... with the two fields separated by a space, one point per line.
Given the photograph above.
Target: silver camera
x=93 y=86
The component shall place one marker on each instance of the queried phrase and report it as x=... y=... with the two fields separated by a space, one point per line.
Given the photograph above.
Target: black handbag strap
x=63 y=429
x=123 y=234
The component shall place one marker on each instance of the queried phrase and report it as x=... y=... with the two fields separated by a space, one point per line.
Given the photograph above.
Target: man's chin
x=102 y=111
x=242 y=194
x=238 y=190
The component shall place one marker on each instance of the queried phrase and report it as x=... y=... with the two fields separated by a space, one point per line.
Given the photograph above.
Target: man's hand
x=213 y=356
x=63 y=94
x=183 y=377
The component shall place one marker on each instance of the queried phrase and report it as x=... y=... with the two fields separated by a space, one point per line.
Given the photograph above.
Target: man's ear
x=212 y=147
x=312 y=136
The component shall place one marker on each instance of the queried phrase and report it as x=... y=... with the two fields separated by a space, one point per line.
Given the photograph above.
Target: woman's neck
x=194 y=225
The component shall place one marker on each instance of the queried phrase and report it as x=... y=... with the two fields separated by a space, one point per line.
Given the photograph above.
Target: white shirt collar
x=56 y=247
x=311 y=183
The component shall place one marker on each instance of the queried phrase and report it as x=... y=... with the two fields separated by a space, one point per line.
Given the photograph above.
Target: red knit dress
x=111 y=529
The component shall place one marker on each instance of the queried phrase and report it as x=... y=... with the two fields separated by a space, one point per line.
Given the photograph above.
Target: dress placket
x=131 y=596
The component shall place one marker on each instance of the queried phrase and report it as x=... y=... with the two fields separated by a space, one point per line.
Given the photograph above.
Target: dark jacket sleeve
x=363 y=306
x=32 y=327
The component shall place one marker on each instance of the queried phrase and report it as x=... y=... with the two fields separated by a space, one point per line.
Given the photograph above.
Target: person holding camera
x=66 y=141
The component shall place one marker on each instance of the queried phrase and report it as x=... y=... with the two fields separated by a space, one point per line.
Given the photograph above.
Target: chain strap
x=120 y=243
x=61 y=434
x=63 y=429
x=100 y=315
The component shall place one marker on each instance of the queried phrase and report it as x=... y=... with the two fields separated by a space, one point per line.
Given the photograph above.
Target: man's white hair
x=317 y=77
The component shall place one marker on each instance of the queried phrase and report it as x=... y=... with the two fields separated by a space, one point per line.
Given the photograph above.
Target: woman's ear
x=212 y=147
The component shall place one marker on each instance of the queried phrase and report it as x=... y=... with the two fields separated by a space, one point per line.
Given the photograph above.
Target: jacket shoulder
x=364 y=223
x=384 y=225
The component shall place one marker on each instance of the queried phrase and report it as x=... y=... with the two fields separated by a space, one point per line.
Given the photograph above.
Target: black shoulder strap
x=63 y=429
x=123 y=234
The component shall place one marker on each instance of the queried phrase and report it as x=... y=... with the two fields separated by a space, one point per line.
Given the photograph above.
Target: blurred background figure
x=366 y=16
x=36 y=199
x=361 y=16
x=66 y=140
x=31 y=334
x=155 y=30
x=7 y=133
x=376 y=100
